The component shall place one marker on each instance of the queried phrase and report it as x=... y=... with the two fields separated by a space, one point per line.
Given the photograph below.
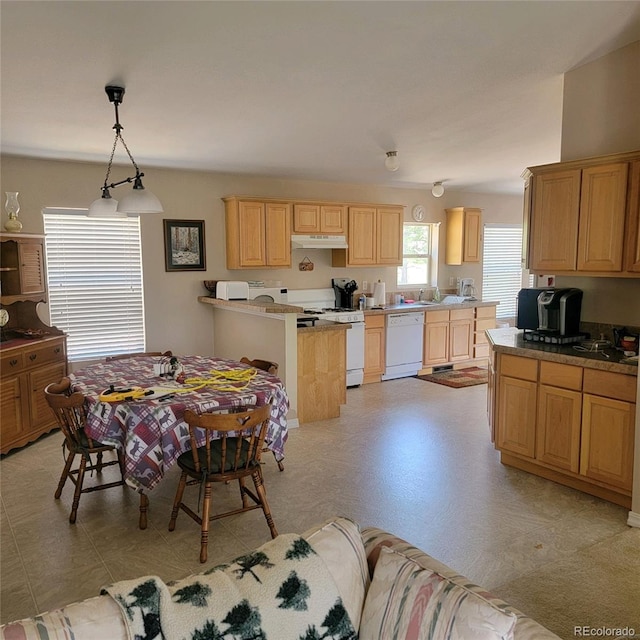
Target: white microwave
x=269 y=294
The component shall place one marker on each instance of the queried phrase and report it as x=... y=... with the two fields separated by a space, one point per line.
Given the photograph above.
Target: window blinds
x=502 y=267
x=94 y=268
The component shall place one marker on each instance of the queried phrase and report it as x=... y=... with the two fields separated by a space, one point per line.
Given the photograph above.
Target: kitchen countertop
x=274 y=307
x=253 y=305
x=510 y=340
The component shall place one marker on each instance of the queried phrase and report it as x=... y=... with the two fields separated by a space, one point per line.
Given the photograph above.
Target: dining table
x=150 y=429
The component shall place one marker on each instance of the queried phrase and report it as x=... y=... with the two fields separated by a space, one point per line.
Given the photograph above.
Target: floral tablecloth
x=153 y=433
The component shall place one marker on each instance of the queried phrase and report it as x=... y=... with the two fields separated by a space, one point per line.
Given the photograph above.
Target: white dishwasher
x=403 y=352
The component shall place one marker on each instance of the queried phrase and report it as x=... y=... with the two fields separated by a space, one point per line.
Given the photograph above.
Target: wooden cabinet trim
x=610 y=384
x=565 y=376
x=518 y=367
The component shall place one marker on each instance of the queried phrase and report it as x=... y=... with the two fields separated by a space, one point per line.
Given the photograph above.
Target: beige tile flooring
x=408 y=456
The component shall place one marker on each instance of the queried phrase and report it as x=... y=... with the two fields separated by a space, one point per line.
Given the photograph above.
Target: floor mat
x=458 y=378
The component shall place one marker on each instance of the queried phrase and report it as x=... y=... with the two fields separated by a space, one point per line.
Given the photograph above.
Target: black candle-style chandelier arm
x=115 y=96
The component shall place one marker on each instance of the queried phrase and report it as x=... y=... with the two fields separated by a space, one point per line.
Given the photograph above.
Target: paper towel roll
x=379 y=297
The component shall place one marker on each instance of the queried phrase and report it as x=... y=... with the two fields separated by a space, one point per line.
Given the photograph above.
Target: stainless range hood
x=319 y=242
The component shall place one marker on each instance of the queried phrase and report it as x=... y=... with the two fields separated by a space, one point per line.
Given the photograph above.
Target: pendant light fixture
x=391 y=162
x=139 y=199
x=437 y=190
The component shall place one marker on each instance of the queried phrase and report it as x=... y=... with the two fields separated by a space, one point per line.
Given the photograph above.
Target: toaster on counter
x=232 y=290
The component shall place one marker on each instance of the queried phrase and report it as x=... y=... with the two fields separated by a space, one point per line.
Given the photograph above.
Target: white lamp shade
x=391 y=162
x=140 y=201
x=105 y=208
x=437 y=190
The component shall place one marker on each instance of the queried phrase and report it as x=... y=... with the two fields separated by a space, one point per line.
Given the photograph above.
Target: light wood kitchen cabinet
x=516 y=405
x=632 y=247
x=603 y=200
x=607 y=441
x=258 y=234
x=559 y=416
x=374 y=348
x=436 y=338
x=608 y=428
x=580 y=213
x=448 y=336
x=491 y=393
x=463 y=234
x=374 y=237
x=319 y=218
x=322 y=374
x=571 y=424
x=485 y=318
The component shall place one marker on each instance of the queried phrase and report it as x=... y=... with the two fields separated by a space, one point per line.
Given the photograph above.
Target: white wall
x=601 y=106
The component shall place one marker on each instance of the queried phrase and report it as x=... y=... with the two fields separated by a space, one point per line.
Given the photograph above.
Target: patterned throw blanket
x=281 y=591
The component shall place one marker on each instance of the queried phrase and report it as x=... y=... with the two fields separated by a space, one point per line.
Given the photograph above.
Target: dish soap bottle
x=436 y=295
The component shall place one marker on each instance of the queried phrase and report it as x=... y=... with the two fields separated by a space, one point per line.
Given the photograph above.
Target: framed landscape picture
x=184 y=245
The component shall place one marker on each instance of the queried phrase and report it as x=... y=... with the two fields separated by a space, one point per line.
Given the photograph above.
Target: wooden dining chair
x=263 y=365
x=70 y=414
x=138 y=354
x=269 y=367
x=232 y=448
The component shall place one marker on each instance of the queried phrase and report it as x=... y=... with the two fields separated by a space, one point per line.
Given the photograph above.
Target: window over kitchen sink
x=419 y=255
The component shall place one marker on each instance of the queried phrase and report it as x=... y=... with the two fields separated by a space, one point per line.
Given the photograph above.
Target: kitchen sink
x=426 y=303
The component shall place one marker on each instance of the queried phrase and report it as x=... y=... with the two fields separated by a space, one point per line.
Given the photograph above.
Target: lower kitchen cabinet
x=485 y=318
x=516 y=406
x=322 y=374
x=27 y=368
x=448 y=336
x=567 y=423
x=374 y=348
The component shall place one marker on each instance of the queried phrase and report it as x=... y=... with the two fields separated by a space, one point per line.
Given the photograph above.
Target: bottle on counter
x=436 y=295
x=362 y=302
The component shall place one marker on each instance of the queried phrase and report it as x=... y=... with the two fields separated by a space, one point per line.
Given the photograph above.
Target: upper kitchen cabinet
x=319 y=218
x=463 y=235
x=632 y=248
x=579 y=214
x=374 y=236
x=258 y=233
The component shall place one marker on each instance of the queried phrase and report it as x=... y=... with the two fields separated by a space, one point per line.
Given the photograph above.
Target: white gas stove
x=321 y=303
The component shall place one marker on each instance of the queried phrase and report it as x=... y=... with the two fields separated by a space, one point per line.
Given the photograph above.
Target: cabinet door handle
x=56 y=350
x=32 y=357
x=13 y=362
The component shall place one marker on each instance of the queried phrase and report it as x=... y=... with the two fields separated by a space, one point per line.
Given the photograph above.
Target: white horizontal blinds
x=94 y=267
x=502 y=267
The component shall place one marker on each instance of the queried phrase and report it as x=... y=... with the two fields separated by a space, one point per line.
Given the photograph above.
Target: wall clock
x=417 y=213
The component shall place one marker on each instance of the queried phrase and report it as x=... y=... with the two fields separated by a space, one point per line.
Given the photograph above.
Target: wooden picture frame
x=184 y=245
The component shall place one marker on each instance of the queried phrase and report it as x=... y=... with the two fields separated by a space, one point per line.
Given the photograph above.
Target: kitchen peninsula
x=311 y=359
x=563 y=414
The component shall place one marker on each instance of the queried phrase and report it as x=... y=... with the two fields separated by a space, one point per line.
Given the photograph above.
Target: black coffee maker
x=344 y=289
x=549 y=311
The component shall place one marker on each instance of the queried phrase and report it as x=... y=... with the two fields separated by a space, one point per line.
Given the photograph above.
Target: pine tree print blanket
x=281 y=591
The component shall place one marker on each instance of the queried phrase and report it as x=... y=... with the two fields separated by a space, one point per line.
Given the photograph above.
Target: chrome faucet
x=420 y=294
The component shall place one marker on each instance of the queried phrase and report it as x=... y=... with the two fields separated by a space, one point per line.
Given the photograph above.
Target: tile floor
x=408 y=456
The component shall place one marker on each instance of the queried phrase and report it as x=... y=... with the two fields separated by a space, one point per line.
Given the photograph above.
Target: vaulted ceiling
x=466 y=92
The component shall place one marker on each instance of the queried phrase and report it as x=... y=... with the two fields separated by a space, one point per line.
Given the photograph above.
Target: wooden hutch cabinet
x=32 y=354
